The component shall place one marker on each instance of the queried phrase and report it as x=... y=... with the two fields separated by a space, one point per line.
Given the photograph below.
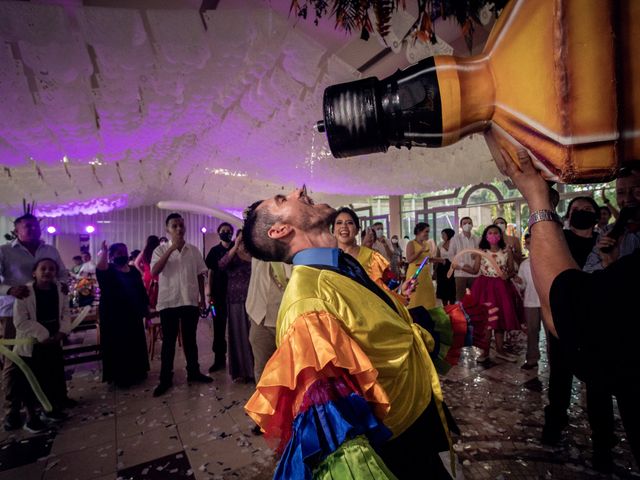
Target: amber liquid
x=558 y=77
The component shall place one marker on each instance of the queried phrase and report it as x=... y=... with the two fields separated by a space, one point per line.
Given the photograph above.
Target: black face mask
x=120 y=261
x=226 y=236
x=582 y=219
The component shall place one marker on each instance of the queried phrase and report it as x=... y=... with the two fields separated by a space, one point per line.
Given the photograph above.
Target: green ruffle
x=354 y=459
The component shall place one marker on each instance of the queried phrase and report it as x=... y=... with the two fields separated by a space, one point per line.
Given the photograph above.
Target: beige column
x=395 y=219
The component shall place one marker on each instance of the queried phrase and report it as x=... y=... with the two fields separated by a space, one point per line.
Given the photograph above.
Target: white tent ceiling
x=103 y=107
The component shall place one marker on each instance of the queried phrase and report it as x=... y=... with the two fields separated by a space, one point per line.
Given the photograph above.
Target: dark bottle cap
x=353 y=118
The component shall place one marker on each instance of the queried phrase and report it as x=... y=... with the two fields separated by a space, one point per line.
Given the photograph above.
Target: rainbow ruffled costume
x=350 y=372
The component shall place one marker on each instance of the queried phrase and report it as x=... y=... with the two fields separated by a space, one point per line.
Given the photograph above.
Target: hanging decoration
x=356 y=17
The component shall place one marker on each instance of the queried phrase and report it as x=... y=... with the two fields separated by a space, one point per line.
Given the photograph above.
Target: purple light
x=89 y=229
x=203 y=230
x=51 y=229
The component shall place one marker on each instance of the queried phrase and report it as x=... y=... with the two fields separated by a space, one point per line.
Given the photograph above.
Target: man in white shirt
x=181 y=271
x=266 y=286
x=381 y=244
x=458 y=243
x=17 y=259
x=532 y=311
x=88 y=268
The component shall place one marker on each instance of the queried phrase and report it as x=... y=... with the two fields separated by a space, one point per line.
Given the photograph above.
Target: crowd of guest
x=171 y=280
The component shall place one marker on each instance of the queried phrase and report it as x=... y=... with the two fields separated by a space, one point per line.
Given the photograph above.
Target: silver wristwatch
x=543 y=216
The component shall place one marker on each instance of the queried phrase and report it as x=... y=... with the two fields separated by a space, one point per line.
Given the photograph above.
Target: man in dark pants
x=218 y=295
x=580 y=238
x=181 y=273
x=594 y=316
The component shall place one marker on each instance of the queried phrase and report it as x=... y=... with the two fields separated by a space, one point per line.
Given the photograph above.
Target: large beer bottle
x=560 y=77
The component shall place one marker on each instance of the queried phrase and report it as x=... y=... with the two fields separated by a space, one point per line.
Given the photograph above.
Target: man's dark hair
x=224 y=224
x=465 y=218
x=77 y=257
x=420 y=226
x=527 y=235
x=171 y=217
x=500 y=218
x=349 y=212
x=257 y=222
x=484 y=243
x=26 y=216
x=593 y=203
x=377 y=223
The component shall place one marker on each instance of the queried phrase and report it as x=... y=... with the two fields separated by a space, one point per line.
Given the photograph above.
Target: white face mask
x=467 y=227
x=501 y=226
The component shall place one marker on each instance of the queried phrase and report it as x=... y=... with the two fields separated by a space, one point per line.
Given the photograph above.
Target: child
x=532 y=312
x=496 y=288
x=43 y=315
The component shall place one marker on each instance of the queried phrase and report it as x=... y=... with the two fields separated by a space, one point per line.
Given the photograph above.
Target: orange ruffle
x=314 y=347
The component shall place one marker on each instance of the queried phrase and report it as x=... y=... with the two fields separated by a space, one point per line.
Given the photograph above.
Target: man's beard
x=319 y=222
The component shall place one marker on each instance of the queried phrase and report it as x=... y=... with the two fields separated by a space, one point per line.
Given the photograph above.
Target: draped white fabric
x=127 y=107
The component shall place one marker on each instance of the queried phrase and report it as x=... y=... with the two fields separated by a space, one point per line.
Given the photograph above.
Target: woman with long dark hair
x=446 y=286
x=143 y=264
x=494 y=286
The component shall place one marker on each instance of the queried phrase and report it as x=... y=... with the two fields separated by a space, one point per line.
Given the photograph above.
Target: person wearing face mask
x=495 y=287
x=218 y=294
x=580 y=236
x=396 y=256
x=465 y=241
x=513 y=243
x=123 y=306
x=581 y=239
x=381 y=244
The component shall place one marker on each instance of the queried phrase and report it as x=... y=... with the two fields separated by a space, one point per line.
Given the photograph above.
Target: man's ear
x=279 y=230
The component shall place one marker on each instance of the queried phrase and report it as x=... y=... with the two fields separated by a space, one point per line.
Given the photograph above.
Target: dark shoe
x=162 y=388
x=35 y=425
x=529 y=366
x=53 y=416
x=69 y=403
x=217 y=366
x=199 y=378
x=603 y=461
x=551 y=435
x=13 y=421
x=256 y=430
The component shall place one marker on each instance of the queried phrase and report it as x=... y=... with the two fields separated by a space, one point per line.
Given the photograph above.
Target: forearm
x=223 y=263
x=201 y=286
x=210 y=282
x=102 y=261
x=550 y=254
x=161 y=263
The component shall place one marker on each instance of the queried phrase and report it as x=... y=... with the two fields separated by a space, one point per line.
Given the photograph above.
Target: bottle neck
x=437 y=101
x=467 y=96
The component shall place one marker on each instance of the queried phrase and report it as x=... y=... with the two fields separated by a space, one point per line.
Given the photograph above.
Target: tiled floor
x=201 y=432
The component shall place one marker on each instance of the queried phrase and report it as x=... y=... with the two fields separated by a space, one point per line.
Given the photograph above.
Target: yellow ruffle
x=314 y=346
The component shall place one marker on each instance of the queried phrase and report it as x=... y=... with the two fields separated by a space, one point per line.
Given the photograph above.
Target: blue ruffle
x=321 y=429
